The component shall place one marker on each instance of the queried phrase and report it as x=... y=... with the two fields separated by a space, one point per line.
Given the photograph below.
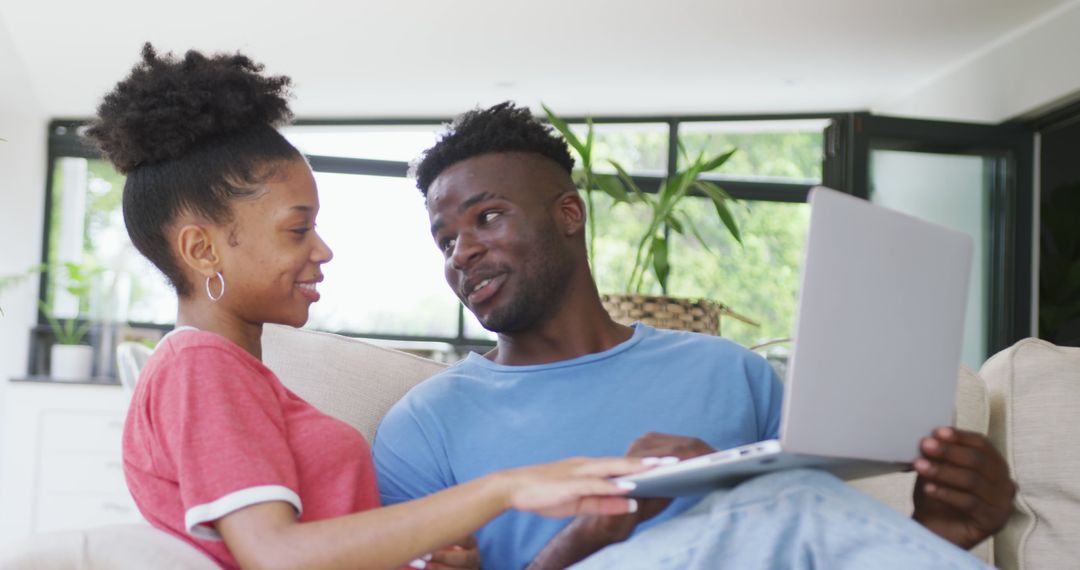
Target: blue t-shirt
x=478 y=417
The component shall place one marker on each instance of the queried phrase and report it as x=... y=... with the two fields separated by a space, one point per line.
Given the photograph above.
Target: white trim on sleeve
x=196 y=517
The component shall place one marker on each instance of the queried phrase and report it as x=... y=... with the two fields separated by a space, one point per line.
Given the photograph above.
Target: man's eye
x=448 y=245
x=489 y=215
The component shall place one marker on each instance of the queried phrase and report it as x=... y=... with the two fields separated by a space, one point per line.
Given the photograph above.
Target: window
x=386 y=279
x=775 y=164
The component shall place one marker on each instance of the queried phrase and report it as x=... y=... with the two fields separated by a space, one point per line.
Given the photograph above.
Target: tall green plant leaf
x=716 y=194
x=571 y=139
x=689 y=223
x=610 y=185
x=660 y=260
x=717 y=162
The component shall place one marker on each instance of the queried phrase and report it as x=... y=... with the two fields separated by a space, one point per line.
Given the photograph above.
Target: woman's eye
x=300 y=231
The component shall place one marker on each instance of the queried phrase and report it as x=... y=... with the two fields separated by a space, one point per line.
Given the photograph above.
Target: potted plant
x=70 y=358
x=652 y=247
x=15 y=279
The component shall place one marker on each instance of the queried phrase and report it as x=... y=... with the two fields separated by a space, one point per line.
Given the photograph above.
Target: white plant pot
x=71 y=362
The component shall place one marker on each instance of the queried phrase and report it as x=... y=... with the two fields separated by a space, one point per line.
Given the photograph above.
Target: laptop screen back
x=878 y=332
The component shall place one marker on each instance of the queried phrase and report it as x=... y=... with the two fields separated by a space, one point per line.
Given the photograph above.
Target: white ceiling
x=440 y=57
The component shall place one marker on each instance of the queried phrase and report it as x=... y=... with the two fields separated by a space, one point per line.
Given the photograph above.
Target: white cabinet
x=61 y=465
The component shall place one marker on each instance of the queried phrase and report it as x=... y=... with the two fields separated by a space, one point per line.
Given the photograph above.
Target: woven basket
x=697 y=315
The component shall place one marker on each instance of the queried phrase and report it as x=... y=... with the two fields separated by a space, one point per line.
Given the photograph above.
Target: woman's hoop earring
x=219 y=295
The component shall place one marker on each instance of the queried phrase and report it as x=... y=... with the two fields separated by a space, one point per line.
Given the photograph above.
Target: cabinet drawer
x=61 y=511
x=65 y=430
x=70 y=472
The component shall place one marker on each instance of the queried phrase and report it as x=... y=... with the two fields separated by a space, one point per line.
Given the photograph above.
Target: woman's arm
x=267 y=535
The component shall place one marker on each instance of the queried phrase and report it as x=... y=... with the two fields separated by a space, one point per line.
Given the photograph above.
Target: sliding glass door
x=972 y=178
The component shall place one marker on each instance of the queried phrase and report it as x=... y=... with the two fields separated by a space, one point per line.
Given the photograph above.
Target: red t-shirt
x=212 y=430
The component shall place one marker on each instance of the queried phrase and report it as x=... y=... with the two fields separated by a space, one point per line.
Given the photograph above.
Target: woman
x=216 y=450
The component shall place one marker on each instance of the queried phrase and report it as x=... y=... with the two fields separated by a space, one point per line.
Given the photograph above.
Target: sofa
x=1021 y=398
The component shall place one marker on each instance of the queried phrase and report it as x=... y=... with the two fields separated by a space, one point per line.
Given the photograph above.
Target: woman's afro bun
x=167 y=106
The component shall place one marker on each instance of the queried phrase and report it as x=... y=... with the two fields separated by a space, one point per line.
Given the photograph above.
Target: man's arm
x=588 y=534
x=963 y=492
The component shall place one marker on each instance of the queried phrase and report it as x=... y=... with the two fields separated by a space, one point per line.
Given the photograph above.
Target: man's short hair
x=502 y=128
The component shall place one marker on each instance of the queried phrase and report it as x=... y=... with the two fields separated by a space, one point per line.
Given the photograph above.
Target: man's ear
x=570 y=209
x=196 y=250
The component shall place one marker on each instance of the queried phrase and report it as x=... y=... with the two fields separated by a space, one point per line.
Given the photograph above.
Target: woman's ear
x=196 y=250
x=571 y=214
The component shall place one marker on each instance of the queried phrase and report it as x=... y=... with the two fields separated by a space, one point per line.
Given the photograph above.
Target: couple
x=219 y=453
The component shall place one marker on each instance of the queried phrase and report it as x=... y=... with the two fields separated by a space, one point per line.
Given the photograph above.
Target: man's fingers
x=597 y=505
x=467 y=542
x=459 y=557
x=969 y=503
x=962 y=437
x=973 y=445
x=961 y=455
x=661 y=444
x=958 y=478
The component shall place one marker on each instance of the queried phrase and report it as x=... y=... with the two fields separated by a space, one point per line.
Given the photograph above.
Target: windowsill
x=97 y=381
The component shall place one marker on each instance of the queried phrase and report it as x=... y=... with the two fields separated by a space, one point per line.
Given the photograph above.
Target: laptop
x=877 y=347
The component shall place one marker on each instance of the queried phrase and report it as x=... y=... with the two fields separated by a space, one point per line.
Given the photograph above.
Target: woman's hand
x=573 y=487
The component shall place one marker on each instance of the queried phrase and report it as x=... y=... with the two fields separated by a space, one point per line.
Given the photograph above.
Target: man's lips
x=479 y=290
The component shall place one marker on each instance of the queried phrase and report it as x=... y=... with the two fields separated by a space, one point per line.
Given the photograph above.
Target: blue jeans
x=791 y=519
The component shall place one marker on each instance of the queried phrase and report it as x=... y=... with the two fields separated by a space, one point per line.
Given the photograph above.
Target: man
x=564 y=379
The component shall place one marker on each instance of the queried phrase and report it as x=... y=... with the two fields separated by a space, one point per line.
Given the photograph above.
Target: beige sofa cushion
x=1035 y=395
x=115 y=547
x=349 y=379
x=972 y=414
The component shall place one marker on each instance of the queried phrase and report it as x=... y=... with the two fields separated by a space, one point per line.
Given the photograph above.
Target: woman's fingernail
x=669 y=460
x=426 y=557
x=626 y=485
x=650 y=461
x=418 y=563
x=631 y=505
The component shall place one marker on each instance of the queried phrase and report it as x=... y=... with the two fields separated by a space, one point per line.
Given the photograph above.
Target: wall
x=22 y=178
x=1032 y=69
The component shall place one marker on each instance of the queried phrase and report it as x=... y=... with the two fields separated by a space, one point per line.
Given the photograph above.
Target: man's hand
x=589 y=533
x=963 y=491
x=463 y=555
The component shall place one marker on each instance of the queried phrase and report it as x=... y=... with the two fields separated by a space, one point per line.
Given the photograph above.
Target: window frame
x=65 y=140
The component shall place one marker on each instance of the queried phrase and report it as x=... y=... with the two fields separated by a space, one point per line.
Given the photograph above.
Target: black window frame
x=844 y=167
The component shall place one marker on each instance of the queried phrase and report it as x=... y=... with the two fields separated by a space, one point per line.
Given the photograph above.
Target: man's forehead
x=505 y=173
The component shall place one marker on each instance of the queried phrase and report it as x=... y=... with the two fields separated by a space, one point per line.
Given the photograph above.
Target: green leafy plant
x=77 y=279
x=9 y=281
x=652 y=251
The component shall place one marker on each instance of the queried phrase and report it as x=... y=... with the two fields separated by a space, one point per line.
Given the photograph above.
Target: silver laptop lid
x=878 y=331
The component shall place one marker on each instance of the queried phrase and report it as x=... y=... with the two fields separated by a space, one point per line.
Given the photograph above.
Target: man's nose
x=466 y=250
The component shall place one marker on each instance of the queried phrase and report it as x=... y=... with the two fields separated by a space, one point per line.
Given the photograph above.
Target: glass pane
x=474 y=330
x=640 y=148
x=402 y=143
x=87 y=229
x=386 y=276
x=759 y=279
x=950 y=190
x=787 y=151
